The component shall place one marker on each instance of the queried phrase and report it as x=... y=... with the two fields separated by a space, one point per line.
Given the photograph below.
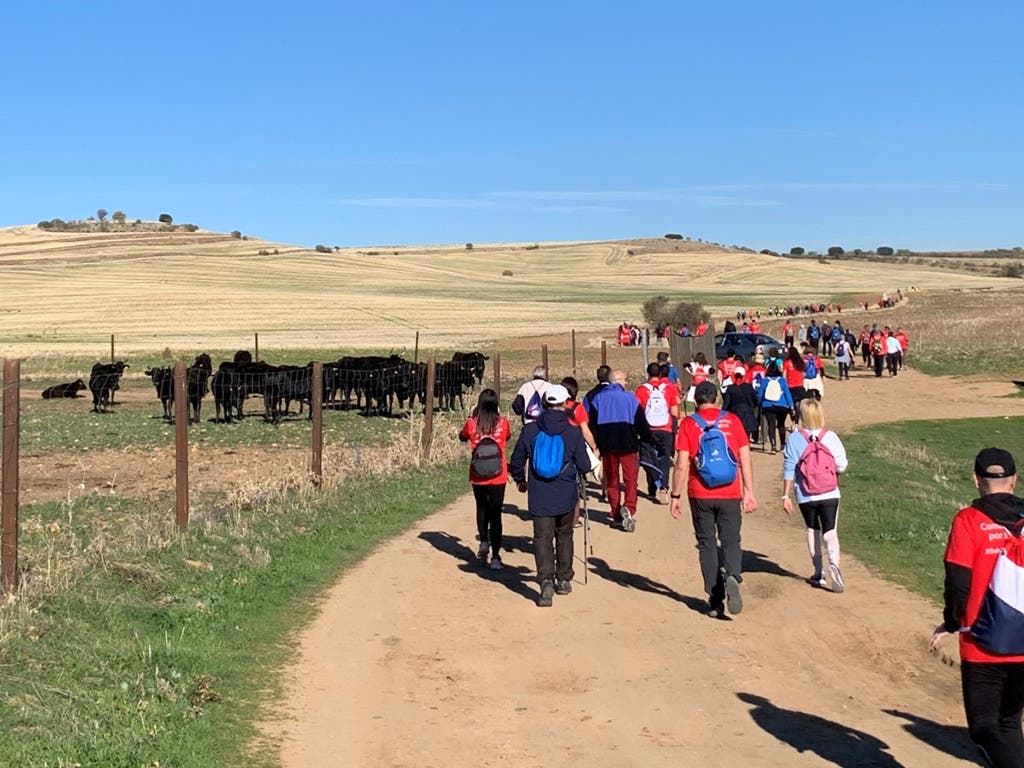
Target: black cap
x=994 y=462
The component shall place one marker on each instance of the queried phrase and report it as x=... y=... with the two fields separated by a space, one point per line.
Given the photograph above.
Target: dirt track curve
x=420 y=658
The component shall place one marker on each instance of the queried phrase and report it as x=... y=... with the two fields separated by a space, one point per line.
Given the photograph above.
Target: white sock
x=814 y=547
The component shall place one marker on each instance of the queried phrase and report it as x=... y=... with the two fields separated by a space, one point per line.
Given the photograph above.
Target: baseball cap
x=740 y=372
x=994 y=462
x=556 y=394
x=706 y=389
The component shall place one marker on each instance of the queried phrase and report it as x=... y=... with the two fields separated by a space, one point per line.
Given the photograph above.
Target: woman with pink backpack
x=812 y=461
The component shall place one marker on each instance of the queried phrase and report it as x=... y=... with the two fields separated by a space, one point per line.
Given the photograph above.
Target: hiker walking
x=713 y=466
x=877 y=346
x=776 y=403
x=811 y=463
x=987 y=620
x=529 y=400
x=556 y=454
x=741 y=400
x=893 y=353
x=618 y=424
x=699 y=371
x=660 y=400
x=844 y=357
x=487 y=433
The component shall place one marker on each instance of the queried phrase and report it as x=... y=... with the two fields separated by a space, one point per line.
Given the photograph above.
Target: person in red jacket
x=787 y=333
x=702 y=328
x=489 y=492
x=993 y=684
x=901 y=337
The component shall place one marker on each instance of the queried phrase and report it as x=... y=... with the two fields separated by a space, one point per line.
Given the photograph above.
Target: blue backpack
x=814 y=333
x=715 y=462
x=810 y=368
x=837 y=333
x=534 y=407
x=548 y=457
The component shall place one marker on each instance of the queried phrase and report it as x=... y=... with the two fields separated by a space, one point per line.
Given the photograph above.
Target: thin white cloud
x=416 y=202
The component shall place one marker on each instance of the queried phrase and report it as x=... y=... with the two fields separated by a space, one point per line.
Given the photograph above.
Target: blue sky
x=768 y=124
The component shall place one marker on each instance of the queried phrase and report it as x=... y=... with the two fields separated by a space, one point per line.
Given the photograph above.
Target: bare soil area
x=422 y=658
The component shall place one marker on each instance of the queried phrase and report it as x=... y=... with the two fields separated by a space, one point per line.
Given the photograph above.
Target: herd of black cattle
x=378 y=384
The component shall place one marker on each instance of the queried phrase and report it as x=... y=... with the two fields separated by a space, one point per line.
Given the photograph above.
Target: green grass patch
x=988 y=357
x=905 y=483
x=162 y=658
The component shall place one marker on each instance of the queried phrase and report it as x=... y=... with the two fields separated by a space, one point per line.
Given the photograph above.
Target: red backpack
x=817 y=466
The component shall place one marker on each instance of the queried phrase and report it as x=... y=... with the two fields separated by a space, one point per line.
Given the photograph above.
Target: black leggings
x=776 y=418
x=993 y=701
x=489 y=500
x=821 y=514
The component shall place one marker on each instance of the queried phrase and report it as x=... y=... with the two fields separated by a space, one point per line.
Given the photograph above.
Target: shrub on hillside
x=673 y=236
x=796 y=250
x=507 y=273
x=190 y=227
x=661 y=310
x=884 y=250
x=322 y=249
x=533 y=247
x=165 y=218
x=768 y=252
x=1012 y=270
x=469 y=246
x=835 y=250
x=236 y=234
x=118 y=217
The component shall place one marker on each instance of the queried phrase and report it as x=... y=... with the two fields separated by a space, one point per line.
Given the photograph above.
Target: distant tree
x=236 y=234
x=835 y=250
x=857 y=252
x=796 y=250
x=165 y=218
x=768 y=252
x=673 y=236
x=322 y=249
x=118 y=217
x=469 y=246
x=506 y=273
x=884 y=250
x=101 y=214
x=44 y=225
x=656 y=309
x=661 y=310
x=688 y=313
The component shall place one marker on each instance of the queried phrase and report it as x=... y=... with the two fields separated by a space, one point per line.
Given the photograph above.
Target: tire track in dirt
x=421 y=658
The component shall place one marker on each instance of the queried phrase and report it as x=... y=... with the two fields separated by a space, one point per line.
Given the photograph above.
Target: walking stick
x=587 y=546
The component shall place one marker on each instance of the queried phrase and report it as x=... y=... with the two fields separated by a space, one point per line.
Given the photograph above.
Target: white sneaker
x=484 y=550
x=628 y=521
x=495 y=564
x=837 y=578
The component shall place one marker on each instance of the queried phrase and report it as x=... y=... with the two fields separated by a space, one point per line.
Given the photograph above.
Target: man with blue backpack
x=556 y=454
x=713 y=465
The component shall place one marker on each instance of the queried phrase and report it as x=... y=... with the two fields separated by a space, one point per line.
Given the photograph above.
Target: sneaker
x=628 y=521
x=663 y=496
x=483 y=550
x=563 y=586
x=817 y=581
x=837 y=578
x=495 y=564
x=547 y=594
x=733 y=598
x=715 y=611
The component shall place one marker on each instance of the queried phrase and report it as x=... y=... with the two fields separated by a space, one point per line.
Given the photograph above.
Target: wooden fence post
x=645 y=354
x=112 y=348
x=181 y=445
x=604 y=352
x=256 y=356
x=317 y=408
x=544 y=359
x=428 y=414
x=574 y=358
x=9 y=526
x=416 y=349
x=497 y=375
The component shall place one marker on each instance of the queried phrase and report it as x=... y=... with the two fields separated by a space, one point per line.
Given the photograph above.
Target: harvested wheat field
x=65 y=293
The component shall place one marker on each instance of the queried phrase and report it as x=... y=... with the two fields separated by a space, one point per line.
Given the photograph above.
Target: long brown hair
x=487 y=414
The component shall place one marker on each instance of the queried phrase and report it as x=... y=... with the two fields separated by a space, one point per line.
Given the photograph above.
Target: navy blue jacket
x=554 y=497
x=617 y=421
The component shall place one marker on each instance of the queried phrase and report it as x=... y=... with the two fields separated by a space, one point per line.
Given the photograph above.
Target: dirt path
x=420 y=658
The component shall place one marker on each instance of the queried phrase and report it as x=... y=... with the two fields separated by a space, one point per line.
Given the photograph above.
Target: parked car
x=743 y=344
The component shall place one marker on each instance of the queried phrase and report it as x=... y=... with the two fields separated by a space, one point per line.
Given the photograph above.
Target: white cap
x=739 y=371
x=556 y=394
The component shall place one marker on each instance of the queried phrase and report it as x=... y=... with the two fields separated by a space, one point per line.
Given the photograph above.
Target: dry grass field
x=63 y=294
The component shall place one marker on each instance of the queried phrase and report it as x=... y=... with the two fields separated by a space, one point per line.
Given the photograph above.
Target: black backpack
x=486 y=459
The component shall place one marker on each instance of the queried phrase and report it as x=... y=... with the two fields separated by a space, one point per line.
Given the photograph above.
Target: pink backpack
x=817 y=466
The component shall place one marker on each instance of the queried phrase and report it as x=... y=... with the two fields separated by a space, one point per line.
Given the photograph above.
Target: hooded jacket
x=618 y=421
x=558 y=495
x=1006 y=510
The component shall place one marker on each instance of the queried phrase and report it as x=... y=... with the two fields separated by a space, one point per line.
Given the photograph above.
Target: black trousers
x=821 y=514
x=489 y=500
x=658 y=478
x=776 y=420
x=552 y=547
x=993 y=702
x=716 y=524
x=844 y=370
x=892 y=361
x=879 y=362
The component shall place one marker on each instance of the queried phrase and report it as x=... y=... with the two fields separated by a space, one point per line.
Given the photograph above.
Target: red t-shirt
x=671 y=392
x=702 y=329
x=755 y=327
x=577 y=414
x=902 y=339
x=501 y=435
x=787 y=330
x=726 y=367
x=757 y=370
x=794 y=376
x=688 y=441
x=974 y=542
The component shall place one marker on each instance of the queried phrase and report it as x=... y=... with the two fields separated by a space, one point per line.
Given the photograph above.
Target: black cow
x=476 y=362
x=163 y=380
x=104 y=379
x=228 y=393
x=198 y=384
x=70 y=389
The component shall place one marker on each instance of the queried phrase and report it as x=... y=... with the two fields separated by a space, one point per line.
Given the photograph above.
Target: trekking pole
x=588 y=544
